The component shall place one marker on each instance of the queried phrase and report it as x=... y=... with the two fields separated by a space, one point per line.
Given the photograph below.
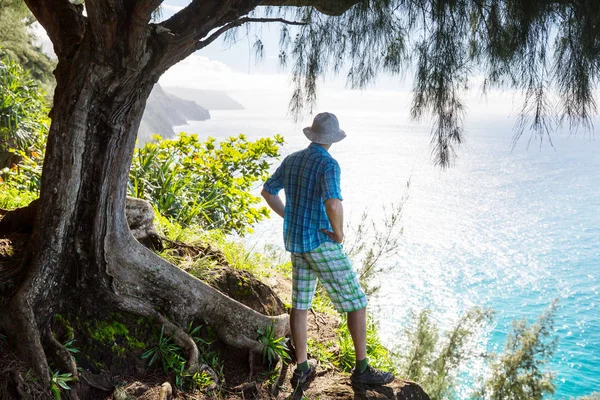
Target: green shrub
x=518 y=373
x=22 y=112
x=11 y=197
x=204 y=183
x=274 y=348
x=432 y=359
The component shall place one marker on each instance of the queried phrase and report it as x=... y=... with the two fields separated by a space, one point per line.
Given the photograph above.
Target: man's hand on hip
x=339 y=238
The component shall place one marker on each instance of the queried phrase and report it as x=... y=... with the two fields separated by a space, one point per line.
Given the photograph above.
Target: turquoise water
x=508 y=230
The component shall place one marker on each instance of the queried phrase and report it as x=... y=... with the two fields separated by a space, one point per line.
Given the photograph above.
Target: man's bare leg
x=357 y=325
x=298 y=326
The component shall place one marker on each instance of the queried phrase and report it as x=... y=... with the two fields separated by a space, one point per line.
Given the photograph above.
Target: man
x=313 y=227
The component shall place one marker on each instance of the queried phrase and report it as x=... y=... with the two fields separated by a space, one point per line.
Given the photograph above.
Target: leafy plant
x=275 y=348
x=322 y=352
x=202 y=380
x=11 y=197
x=194 y=333
x=60 y=381
x=168 y=353
x=70 y=348
x=204 y=183
x=22 y=111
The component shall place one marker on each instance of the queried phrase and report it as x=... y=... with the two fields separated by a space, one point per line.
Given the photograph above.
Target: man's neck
x=325 y=146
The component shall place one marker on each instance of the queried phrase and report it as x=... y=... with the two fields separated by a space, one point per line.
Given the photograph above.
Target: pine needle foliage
x=534 y=47
x=434 y=360
x=519 y=372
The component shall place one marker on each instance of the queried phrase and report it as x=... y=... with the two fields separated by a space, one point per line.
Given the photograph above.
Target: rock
x=101 y=381
x=209 y=99
x=166 y=391
x=136 y=389
x=121 y=394
x=340 y=388
x=245 y=288
x=140 y=217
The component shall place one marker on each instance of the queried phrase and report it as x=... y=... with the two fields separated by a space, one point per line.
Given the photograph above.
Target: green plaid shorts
x=331 y=265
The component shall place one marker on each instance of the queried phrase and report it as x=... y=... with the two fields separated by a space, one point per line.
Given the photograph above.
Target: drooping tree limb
x=335 y=7
x=205 y=42
x=64 y=22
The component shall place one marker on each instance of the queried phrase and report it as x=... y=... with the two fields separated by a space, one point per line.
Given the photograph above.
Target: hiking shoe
x=371 y=376
x=300 y=378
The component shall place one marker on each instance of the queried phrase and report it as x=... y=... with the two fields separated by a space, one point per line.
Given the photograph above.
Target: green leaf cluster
x=274 y=348
x=23 y=110
x=204 y=183
x=59 y=381
x=18 y=40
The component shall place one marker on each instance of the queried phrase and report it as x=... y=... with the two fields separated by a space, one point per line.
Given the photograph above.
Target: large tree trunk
x=82 y=254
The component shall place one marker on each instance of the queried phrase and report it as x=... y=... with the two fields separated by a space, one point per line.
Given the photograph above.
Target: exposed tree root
x=122 y=275
x=20 y=385
x=25 y=337
x=139 y=273
x=59 y=353
x=179 y=336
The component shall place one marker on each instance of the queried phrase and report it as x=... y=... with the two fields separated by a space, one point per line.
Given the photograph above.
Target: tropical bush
x=23 y=112
x=204 y=183
x=18 y=40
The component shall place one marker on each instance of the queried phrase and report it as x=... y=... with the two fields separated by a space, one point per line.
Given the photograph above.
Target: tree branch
x=203 y=43
x=181 y=33
x=64 y=22
x=282 y=20
x=337 y=7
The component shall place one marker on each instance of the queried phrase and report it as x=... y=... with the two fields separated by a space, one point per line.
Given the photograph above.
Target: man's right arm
x=335 y=214
x=275 y=202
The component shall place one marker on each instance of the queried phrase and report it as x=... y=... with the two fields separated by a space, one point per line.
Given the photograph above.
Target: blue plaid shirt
x=308 y=177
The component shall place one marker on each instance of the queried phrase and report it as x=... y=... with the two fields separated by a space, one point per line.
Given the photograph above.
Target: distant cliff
x=164 y=111
x=210 y=99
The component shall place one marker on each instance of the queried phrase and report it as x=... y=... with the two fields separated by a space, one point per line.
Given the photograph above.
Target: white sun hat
x=325 y=129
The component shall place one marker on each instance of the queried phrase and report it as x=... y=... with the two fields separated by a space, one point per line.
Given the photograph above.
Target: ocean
x=508 y=229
